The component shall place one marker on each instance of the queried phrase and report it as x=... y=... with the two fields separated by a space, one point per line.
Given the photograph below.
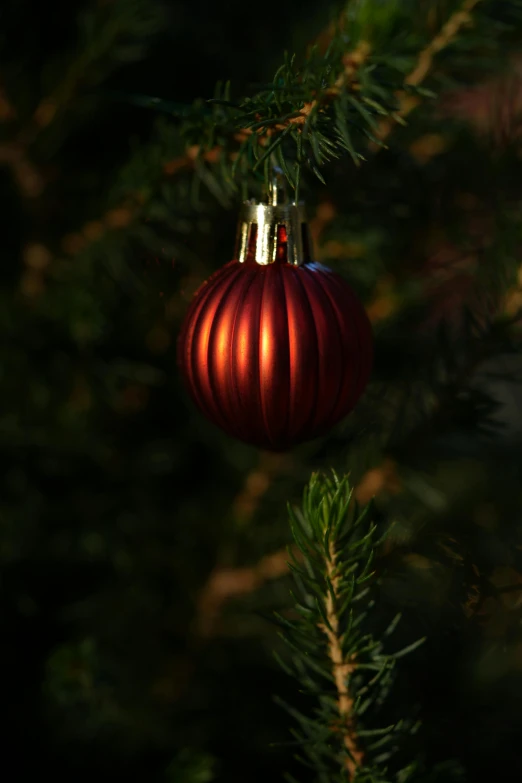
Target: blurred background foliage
x=141 y=550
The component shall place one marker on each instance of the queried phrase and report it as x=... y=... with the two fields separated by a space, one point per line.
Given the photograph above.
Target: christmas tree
x=179 y=605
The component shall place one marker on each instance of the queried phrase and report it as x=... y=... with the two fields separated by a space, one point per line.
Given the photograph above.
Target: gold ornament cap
x=273 y=232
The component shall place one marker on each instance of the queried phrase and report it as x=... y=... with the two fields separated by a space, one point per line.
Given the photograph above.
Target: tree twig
x=408 y=102
x=224 y=584
x=352 y=62
x=342 y=668
x=29 y=179
x=227 y=583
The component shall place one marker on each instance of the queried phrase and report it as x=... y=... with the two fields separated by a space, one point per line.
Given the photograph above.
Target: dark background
x=118 y=500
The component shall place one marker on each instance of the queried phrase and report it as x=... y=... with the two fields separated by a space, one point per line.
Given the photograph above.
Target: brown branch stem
x=343 y=668
x=29 y=180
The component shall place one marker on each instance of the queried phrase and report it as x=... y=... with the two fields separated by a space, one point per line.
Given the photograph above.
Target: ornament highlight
x=275 y=349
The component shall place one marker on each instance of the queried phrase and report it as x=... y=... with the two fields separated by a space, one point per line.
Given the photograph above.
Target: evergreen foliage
x=340 y=664
x=140 y=549
x=373 y=72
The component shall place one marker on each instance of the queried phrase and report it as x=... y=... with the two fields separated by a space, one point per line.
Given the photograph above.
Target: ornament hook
x=277 y=193
x=275 y=230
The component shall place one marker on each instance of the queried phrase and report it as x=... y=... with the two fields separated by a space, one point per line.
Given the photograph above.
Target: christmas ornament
x=275 y=349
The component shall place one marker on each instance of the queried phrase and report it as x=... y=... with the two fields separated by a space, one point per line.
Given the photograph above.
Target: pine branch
x=408 y=102
x=333 y=103
x=448 y=33
x=226 y=583
x=337 y=662
x=108 y=35
x=310 y=94
x=352 y=61
x=132 y=206
x=26 y=174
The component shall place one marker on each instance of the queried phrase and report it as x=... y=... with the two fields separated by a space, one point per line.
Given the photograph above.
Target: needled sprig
x=382 y=60
x=343 y=668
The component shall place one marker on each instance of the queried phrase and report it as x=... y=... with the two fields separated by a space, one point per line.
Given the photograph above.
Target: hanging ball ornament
x=275 y=349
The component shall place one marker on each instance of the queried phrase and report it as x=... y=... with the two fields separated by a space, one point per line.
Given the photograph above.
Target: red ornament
x=275 y=349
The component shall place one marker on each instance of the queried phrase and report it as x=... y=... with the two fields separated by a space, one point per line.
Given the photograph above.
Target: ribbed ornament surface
x=277 y=354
